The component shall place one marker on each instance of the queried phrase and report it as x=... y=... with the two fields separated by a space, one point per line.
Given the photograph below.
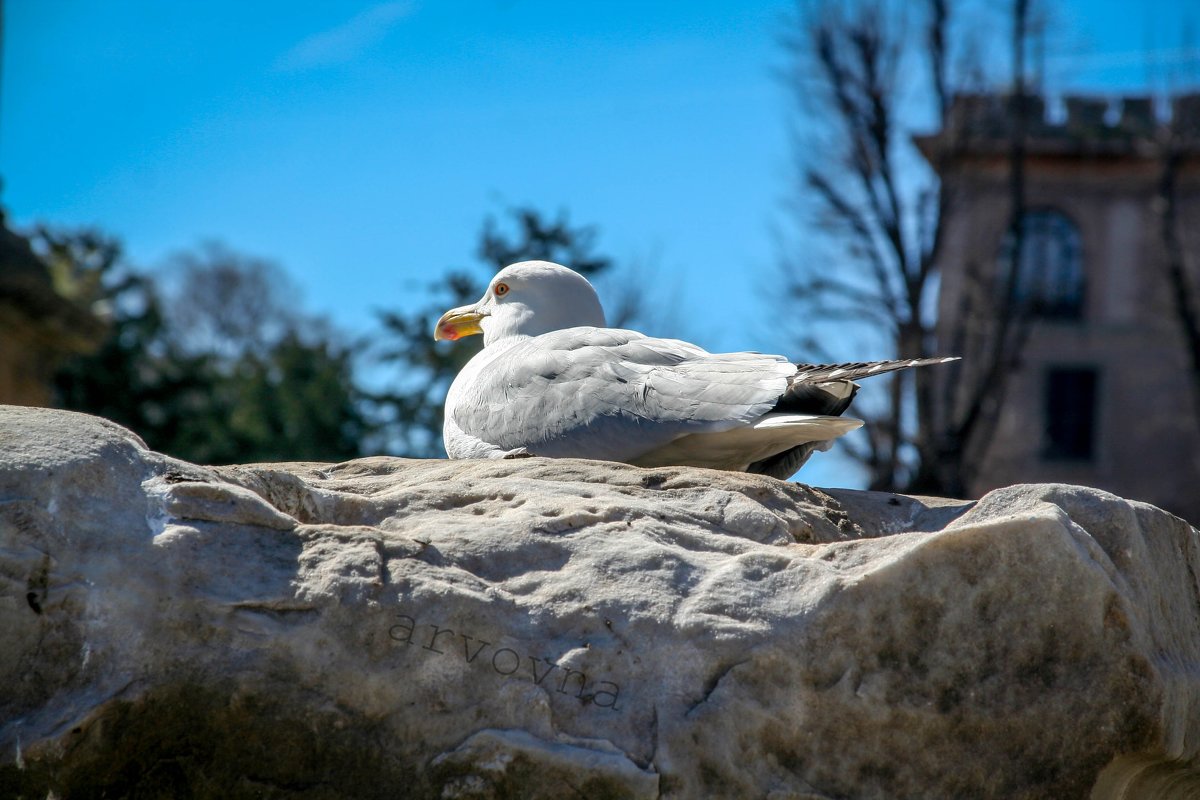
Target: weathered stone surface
x=537 y=628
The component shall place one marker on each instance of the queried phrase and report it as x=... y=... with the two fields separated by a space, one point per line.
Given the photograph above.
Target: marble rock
x=537 y=628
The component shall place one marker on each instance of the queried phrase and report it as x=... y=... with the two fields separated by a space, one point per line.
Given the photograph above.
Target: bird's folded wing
x=609 y=394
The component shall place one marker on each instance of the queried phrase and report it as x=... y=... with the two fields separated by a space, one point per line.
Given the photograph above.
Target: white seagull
x=553 y=380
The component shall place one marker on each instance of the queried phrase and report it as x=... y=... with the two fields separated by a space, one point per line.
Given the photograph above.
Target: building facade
x=39 y=328
x=1101 y=392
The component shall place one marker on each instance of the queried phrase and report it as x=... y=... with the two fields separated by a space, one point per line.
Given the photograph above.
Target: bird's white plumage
x=552 y=380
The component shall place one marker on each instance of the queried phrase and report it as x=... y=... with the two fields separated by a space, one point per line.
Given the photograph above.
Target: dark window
x=1070 y=413
x=1051 y=279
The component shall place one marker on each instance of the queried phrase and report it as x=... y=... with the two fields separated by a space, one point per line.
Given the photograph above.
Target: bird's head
x=525 y=299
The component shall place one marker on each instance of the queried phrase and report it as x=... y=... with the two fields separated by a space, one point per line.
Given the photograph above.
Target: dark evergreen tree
x=219 y=371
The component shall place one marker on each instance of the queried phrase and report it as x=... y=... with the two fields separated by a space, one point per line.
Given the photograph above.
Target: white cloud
x=344 y=42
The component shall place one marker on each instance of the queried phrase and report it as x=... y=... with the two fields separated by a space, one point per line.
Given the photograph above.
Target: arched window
x=1051 y=279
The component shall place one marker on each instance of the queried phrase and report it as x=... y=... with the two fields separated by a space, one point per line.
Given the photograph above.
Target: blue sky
x=361 y=144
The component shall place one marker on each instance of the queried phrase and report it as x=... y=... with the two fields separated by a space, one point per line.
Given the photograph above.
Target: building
x=1102 y=393
x=39 y=327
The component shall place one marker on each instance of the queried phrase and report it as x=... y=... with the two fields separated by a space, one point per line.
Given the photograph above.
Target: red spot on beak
x=449 y=332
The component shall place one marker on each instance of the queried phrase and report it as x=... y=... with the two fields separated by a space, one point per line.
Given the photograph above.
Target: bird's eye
x=501 y=289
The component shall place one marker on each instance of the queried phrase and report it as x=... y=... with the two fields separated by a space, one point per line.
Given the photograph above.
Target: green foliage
x=412 y=409
x=301 y=393
x=220 y=371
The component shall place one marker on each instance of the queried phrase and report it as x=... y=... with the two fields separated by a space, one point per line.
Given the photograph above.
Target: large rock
x=536 y=628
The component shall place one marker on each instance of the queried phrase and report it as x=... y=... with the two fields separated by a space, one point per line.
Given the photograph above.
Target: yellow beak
x=457 y=323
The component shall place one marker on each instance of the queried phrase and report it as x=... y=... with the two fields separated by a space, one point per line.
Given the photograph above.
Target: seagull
x=553 y=380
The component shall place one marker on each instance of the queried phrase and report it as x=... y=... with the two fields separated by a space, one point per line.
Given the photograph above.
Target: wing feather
x=611 y=394
x=816 y=373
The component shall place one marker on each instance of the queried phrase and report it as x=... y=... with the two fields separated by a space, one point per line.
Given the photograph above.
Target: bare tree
x=888 y=217
x=1178 y=144
x=229 y=303
x=992 y=326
